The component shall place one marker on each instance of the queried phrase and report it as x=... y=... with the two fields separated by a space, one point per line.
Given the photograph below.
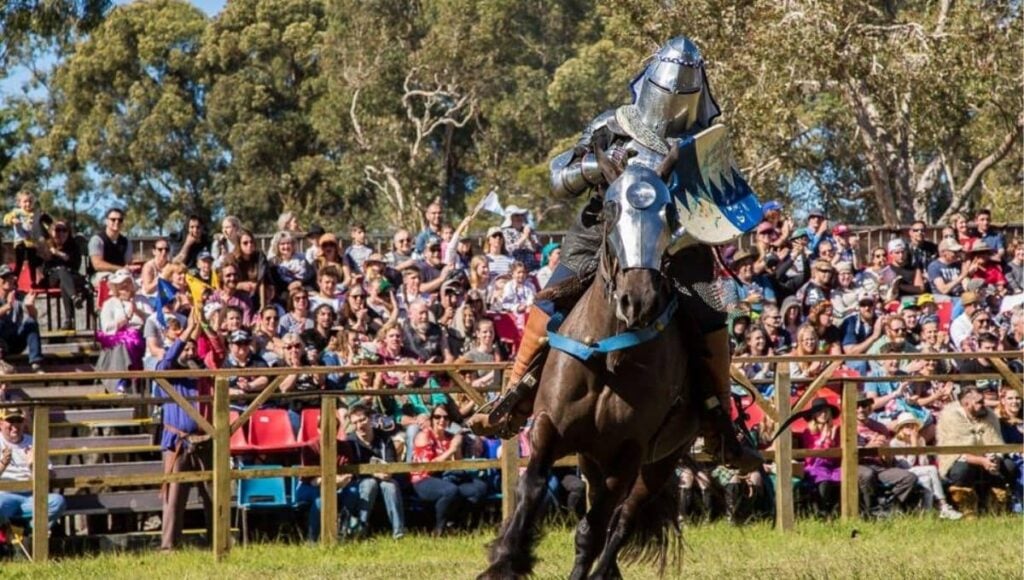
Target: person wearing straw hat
x=121 y=320
x=753 y=290
x=16 y=465
x=906 y=433
x=520 y=240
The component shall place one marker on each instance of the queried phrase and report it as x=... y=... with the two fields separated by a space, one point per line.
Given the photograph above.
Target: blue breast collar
x=621 y=341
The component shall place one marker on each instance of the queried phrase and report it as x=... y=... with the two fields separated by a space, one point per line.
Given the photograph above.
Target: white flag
x=490 y=203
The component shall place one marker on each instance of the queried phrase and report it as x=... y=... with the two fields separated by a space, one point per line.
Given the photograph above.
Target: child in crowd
x=21 y=219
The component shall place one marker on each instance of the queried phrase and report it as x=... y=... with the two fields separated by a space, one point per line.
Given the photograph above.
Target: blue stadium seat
x=260 y=494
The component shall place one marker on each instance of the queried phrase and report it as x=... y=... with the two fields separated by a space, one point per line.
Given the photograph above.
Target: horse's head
x=640 y=222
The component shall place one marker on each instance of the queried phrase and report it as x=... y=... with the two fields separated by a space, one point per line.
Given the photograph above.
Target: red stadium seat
x=308 y=432
x=239 y=443
x=270 y=431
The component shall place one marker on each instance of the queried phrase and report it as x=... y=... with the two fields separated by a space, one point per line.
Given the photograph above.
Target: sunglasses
x=115 y=220
x=917 y=230
x=270 y=318
x=403 y=241
x=898 y=330
x=293 y=346
x=445 y=417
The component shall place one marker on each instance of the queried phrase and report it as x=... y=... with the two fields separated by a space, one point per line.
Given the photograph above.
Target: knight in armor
x=672 y=105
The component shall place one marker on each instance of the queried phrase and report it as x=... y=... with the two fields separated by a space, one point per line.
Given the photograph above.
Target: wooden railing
x=221 y=428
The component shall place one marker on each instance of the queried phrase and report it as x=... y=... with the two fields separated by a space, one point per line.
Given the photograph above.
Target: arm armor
x=575 y=171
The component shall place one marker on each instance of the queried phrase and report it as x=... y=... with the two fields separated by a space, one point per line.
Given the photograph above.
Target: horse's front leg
x=608 y=487
x=652 y=480
x=511 y=555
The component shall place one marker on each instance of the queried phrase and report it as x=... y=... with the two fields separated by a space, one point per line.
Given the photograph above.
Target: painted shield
x=716 y=205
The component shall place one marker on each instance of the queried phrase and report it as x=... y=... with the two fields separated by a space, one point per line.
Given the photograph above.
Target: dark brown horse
x=625 y=413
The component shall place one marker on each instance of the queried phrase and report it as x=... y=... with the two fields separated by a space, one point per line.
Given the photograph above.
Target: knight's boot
x=506 y=415
x=721 y=438
x=965 y=499
x=733 y=498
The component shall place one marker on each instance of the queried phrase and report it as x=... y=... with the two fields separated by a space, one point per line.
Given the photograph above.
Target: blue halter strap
x=621 y=341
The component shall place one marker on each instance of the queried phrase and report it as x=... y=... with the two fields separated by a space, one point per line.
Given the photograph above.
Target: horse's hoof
x=499 y=572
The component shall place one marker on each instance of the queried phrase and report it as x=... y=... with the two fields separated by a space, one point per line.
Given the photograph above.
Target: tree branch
x=960 y=195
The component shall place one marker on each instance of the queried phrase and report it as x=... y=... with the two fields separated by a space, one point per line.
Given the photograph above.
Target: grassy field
x=912 y=547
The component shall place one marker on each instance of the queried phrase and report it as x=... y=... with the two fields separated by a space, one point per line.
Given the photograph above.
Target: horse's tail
x=656 y=537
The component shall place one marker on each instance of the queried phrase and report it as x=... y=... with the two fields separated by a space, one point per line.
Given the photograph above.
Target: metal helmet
x=669 y=92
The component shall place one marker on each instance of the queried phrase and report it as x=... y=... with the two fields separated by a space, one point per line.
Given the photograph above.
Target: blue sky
x=13 y=83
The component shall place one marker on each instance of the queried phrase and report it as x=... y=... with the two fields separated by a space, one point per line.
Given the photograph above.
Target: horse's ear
x=666 y=165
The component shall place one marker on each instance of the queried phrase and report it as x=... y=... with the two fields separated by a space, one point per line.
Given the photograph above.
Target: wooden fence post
x=40 y=484
x=221 y=469
x=850 y=503
x=509 y=467
x=784 y=511
x=328 y=471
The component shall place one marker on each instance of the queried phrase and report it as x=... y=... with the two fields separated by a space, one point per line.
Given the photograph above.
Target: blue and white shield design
x=716 y=205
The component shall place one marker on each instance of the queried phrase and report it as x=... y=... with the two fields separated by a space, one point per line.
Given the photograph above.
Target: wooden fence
x=221 y=428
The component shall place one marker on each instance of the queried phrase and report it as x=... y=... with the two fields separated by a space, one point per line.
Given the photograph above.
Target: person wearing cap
x=901 y=275
x=984 y=231
x=817 y=229
x=911 y=315
x=498 y=260
x=873 y=471
x=19 y=327
x=240 y=356
x=109 y=250
x=962 y=325
x=922 y=251
x=433 y=270
x=765 y=236
x=972 y=477
x=16 y=465
x=861 y=331
x=927 y=305
x=187 y=244
x=550 y=255
x=755 y=291
x=184 y=445
x=203 y=273
x=357 y=251
x=818 y=288
x=906 y=433
x=946 y=273
x=433 y=217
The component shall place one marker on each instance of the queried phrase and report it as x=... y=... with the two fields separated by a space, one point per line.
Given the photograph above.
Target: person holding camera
x=370 y=443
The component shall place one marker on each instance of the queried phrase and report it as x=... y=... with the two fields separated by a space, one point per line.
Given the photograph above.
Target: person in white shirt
x=16 y=465
x=961 y=326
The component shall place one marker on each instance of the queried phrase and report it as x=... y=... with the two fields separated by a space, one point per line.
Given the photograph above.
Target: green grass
x=910 y=547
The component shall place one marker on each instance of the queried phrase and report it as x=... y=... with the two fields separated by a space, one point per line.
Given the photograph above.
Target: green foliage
x=369 y=109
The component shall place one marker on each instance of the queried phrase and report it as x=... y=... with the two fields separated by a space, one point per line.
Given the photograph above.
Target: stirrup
x=504 y=405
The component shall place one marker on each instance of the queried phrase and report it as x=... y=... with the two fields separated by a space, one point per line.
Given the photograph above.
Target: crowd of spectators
x=206 y=300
